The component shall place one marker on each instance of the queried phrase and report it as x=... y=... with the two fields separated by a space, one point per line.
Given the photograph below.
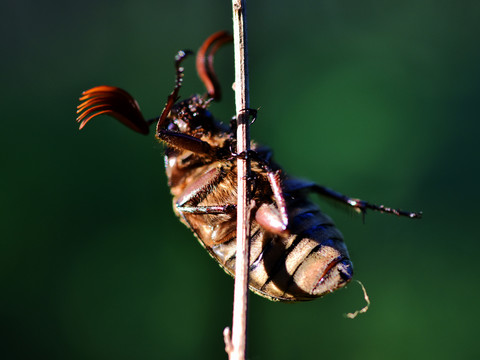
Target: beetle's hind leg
x=362 y=205
x=359 y=205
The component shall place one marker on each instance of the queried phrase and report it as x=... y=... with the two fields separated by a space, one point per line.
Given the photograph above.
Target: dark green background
x=376 y=99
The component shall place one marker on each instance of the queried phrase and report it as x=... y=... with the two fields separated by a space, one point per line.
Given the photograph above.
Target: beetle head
x=186 y=116
x=190 y=115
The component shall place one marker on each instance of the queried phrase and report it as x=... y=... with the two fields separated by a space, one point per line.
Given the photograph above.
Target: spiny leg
x=358 y=204
x=191 y=143
x=173 y=97
x=185 y=142
x=177 y=139
x=274 y=219
x=198 y=190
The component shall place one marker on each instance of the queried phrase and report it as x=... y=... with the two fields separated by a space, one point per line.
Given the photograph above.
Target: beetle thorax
x=192 y=118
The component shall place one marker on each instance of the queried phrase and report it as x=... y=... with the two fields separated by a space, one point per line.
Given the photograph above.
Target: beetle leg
x=187 y=142
x=233 y=124
x=194 y=193
x=250 y=112
x=173 y=97
x=274 y=180
x=361 y=205
x=184 y=142
x=208 y=210
x=268 y=216
x=274 y=218
x=357 y=204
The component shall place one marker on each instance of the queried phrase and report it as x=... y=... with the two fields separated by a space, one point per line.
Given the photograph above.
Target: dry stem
x=236 y=345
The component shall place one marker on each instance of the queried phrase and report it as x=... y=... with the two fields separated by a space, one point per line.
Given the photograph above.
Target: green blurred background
x=375 y=99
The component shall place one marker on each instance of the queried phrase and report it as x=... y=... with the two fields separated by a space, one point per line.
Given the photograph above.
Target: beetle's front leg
x=184 y=142
x=191 y=143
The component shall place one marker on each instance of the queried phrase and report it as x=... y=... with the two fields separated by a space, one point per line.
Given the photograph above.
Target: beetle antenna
x=204 y=62
x=112 y=101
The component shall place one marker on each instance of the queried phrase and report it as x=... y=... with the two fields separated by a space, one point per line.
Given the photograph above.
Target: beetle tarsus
x=361 y=205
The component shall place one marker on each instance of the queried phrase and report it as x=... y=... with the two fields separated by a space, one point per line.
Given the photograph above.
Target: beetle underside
x=296 y=252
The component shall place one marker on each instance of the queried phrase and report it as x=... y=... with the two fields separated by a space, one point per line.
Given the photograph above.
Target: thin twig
x=236 y=345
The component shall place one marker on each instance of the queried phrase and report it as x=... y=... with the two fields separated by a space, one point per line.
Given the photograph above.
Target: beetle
x=296 y=252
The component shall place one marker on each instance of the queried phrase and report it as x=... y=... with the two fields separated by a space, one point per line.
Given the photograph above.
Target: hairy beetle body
x=308 y=261
x=296 y=253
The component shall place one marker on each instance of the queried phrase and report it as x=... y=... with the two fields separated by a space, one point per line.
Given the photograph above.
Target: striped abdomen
x=312 y=261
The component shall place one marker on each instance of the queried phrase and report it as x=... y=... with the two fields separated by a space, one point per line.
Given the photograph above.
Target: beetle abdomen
x=310 y=262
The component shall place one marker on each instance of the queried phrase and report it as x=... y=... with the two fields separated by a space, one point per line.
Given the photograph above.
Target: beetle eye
x=172 y=127
x=180 y=125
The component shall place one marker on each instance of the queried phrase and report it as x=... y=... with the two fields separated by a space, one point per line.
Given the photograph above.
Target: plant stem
x=236 y=346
